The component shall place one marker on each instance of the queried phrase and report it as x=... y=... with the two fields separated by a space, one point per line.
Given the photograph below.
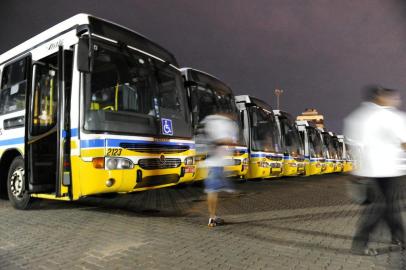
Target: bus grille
x=155 y=148
x=275 y=158
x=156 y=163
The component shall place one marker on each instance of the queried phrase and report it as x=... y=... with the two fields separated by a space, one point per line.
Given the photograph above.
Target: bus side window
x=14 y=86
x=45 y=99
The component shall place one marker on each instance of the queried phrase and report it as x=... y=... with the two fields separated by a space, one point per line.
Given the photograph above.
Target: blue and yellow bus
x=209 y=95
x=313 y=147
x=292 y=146
x=330 y=152
x=90 y=107
x=346 y=154
x=261 y=132
x=339 y=150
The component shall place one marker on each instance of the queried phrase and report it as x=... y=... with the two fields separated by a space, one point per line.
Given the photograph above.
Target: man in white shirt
x=378 y=130
x=221 y=132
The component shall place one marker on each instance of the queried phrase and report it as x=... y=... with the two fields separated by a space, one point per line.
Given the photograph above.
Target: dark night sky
x=320 y=52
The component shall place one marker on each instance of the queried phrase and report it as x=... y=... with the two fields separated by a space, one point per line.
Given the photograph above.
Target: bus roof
x=204 y=77
x=71 y=24
x=255 y=101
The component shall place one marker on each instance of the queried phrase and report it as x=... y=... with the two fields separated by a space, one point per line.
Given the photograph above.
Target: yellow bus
x=313 y=147
x=261 y=132
x=331 y=152
x=293 y=160
x=339 y=156
x=90 y=107
x=346 y=154
x=208 y=95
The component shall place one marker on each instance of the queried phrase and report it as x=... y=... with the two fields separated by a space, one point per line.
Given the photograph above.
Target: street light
x=278 y=93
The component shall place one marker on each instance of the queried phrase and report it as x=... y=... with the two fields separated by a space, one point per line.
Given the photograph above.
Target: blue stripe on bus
x=73 y=133
x=264 y=155
x=92 y=143
x=12 y=141
x=258 y=155
x=116 y=143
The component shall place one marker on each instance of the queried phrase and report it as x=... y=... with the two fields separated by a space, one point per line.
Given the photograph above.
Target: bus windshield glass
x=338 y=147
x=316 y=144
x=291 y=137
x=129 y=92
x=328 y=142
x=264 y=131
x=208 y=98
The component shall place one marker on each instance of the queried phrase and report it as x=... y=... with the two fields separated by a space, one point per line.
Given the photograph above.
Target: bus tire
x=18 y=196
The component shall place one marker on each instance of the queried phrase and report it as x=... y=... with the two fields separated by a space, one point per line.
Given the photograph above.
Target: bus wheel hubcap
x=17 y=182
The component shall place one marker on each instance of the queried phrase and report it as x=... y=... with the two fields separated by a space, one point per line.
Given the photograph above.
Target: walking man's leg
x=370 y=217
x=212 y=199
x=393 y=212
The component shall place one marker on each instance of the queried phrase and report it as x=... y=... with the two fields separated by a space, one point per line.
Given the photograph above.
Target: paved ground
x=295 y=223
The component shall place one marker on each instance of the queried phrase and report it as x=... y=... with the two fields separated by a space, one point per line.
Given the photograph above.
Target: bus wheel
x=18 y=196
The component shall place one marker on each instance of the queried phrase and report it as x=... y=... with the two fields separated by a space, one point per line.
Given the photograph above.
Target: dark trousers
x=384 y=206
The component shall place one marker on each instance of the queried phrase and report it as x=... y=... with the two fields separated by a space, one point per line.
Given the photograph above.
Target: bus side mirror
x=84 y=56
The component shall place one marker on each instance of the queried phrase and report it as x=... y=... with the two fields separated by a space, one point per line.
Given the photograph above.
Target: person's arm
x=400 y=130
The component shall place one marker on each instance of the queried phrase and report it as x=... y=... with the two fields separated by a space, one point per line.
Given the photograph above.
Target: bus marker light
x=98 y=162
x=189 y=169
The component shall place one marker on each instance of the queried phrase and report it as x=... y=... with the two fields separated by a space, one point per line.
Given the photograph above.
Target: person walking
x=221 y=131
x=378 y=130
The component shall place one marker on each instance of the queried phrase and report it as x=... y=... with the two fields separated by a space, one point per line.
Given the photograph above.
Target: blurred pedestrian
x=378 y=130
x=221 y=131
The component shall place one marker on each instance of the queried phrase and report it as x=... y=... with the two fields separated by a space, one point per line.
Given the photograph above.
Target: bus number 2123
x=114 y=151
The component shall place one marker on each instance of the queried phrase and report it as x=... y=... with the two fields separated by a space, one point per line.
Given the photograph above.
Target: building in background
x=312 y=115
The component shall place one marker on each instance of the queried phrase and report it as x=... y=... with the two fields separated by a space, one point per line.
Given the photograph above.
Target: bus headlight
x=189 y=161
x=245 y=161
x=263 y=164
x=118 y=163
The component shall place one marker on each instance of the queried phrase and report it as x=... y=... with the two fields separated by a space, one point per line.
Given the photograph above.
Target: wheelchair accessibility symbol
x=167 y=126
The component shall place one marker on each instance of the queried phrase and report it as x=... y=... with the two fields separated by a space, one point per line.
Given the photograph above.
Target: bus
x=346 y=154
x=331 y=152
x=90 y=107
x=313 y=147
x=293 y=160
x=262 y=135
x=208 y=95
x=339 y=150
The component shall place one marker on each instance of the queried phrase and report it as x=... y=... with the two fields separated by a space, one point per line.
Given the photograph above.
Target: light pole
x=278 y=93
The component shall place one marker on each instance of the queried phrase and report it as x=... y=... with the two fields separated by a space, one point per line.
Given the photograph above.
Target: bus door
x=47 y=124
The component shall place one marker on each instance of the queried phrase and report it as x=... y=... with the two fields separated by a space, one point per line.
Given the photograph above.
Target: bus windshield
x=338 y=147
x=264 y=131
x=208 y=99
x=328 y=142
x=315 y=142
x=291 y=137
x=129 y=92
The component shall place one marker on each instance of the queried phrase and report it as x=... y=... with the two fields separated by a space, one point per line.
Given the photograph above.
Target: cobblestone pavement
x=294 y=223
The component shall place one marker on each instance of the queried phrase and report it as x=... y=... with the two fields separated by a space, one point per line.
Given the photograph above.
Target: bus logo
x=166 y=126
x=162 y=159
